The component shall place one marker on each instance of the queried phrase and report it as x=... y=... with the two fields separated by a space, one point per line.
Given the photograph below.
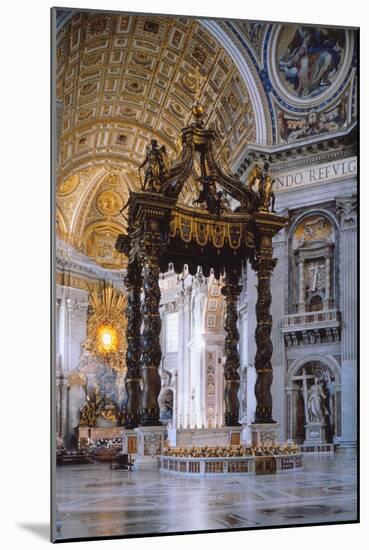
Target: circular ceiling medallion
x=134 y=87
x=177 y=109
x=68 y=186
x=189 y=83
x=85 y=113
x=141 y=58
x=109 y=203
x=89 y=88
x=169 y=132
x=308 y=63
x=128 y=111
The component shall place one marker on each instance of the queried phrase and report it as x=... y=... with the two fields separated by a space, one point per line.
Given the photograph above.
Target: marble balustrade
x=225 y=465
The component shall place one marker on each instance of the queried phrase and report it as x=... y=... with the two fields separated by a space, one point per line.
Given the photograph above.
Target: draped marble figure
x=316 y=407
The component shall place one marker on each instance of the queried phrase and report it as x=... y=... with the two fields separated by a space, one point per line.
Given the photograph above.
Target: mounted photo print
x=204 y=221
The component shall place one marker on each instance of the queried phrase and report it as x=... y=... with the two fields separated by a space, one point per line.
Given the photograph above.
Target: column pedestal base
x=235 y=435
x=150 y=445
x=264 y=434
x=315 y=434
x=129 y=441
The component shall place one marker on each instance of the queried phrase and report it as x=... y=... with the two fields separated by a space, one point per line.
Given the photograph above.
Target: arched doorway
x=313 y=398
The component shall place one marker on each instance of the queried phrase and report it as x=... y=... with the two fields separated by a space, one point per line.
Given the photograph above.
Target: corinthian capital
x=346 y=208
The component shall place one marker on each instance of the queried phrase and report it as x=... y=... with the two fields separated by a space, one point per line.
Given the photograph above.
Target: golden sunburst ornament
x=107 y=339
x=106 y=324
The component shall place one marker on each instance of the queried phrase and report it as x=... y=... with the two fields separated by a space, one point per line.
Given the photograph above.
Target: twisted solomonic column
x=150 y=340
x=231 y=290
x=133 y=282
x=263 y=267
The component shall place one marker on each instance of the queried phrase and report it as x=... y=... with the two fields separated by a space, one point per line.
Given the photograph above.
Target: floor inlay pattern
x=97 y=501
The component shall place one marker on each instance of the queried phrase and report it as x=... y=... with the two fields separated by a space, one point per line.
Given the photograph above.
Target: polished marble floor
x=94 y=501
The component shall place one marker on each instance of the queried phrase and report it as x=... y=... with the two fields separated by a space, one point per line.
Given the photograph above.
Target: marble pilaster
x=346 y=210
x=248 y=353
x=243 y=348
x=198 y=351
x=183 y=300
x=76 y=305
x=277 y=311
x=71 y=311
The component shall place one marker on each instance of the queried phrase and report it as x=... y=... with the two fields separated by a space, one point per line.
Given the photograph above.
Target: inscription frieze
x=329 y=171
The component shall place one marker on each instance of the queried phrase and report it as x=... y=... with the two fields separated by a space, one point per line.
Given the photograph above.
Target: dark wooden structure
x=121 y=461
x=211 y=235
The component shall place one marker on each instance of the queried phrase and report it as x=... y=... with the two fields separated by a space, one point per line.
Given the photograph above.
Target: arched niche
x=300 y=377
x=313 y=263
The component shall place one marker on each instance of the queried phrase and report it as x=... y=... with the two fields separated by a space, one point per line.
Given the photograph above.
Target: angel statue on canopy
x=157 y=162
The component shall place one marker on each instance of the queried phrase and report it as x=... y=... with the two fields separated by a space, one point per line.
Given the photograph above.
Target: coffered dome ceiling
x=121 y=81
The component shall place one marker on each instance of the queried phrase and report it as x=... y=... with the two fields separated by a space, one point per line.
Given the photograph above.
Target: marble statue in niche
x=316 y=399
x=313 y=404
